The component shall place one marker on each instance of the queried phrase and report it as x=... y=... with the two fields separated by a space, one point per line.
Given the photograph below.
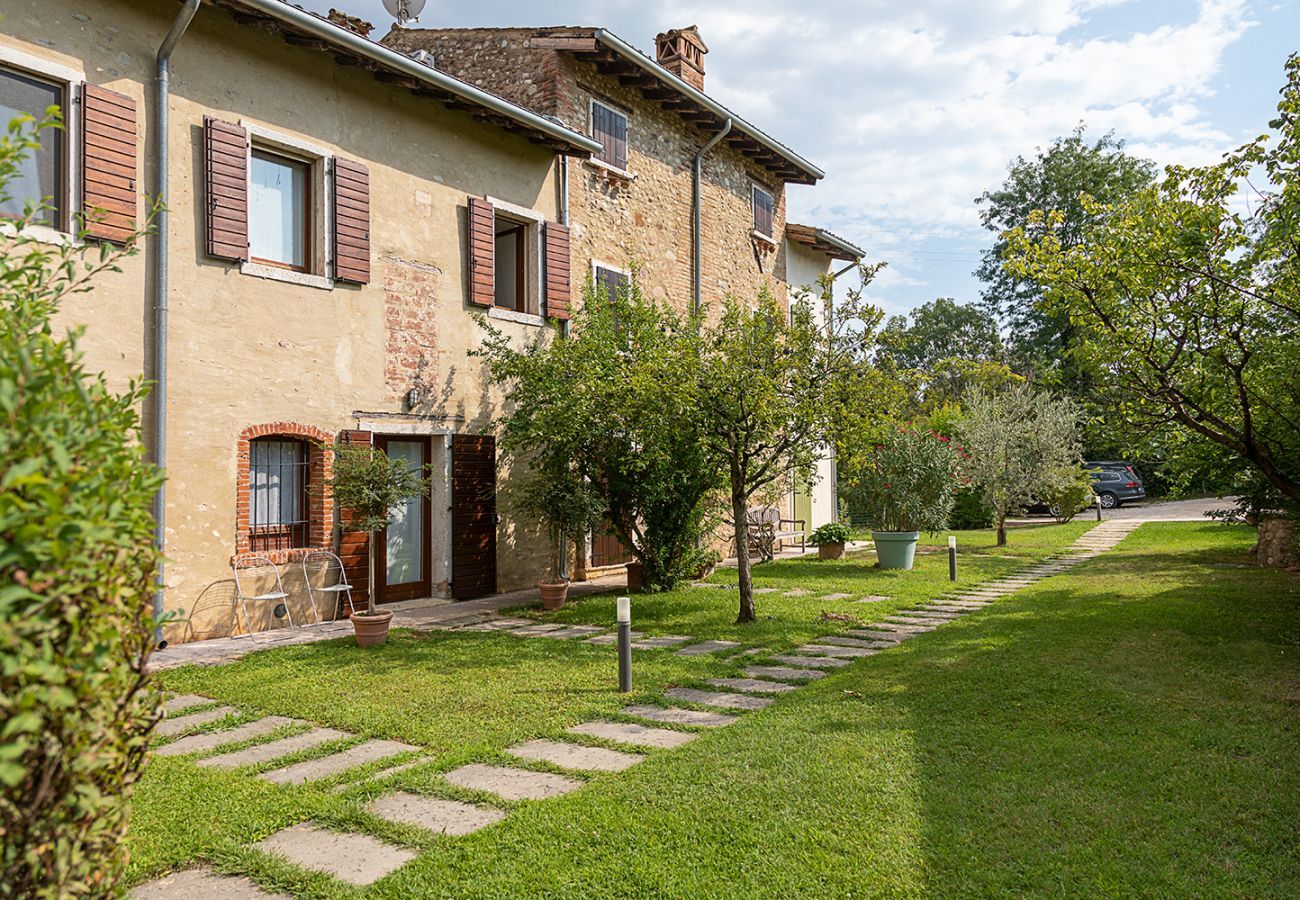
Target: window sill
x=509 y=315
x=42 y=234
x=763 y=238
x=610 y=170
x=302 y=279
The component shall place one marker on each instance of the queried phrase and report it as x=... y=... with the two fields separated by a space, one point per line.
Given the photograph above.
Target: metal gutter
x=852 y=250
x=158 y=361
x=334 y=34
x=697 y=205
x=635 y=56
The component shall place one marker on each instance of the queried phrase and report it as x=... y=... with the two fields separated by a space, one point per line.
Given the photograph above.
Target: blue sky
x=914 y=109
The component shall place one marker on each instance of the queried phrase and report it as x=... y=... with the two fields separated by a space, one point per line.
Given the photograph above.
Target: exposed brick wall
x=411 y=310
x=320 y=506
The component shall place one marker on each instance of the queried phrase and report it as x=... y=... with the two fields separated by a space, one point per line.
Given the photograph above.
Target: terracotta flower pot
x=371 y=630
x=831 y=551
x=635 y=577
x=553 y=593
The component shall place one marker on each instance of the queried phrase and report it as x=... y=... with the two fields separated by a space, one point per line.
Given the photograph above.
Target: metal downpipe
x=158 y=361
x=697 y=206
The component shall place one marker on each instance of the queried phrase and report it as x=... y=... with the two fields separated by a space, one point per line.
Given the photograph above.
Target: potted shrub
x=369 y=486
x=569 y=508
x=829 y=540
x=906 y=486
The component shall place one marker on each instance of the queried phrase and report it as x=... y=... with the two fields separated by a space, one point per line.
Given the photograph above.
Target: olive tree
x=1017 y=440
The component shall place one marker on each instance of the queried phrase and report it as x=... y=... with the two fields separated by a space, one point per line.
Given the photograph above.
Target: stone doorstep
x=168 y=727
x=636 y=735
x=836 y=640
x=355 y=858
x=184 y=701
x=202 y=884
x=576 y=756
x=439 y=816
x=211 y=740
x=811 y=662
x=325 y=766
x=706 y=647
x=509 y=783
x=712 y=698
x=787 y=673
x=752 y=685
x=837 y=652
x=261 y=753
x=676 y=716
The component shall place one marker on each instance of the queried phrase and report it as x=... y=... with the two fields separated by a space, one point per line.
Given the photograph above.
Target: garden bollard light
x=623 y=613
x=952 y=557
x=1099 y=507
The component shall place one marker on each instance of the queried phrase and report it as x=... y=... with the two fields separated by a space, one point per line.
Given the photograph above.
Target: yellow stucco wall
x=246 y=350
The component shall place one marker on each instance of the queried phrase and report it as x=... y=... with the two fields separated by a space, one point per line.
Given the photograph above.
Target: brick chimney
x=681 y=51
x=354 y=24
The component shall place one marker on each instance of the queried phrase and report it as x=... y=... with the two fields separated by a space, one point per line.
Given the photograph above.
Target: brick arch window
x=280 y=510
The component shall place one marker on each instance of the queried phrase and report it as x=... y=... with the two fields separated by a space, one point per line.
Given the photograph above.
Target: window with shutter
x=763 y=211
x=225 y=177
x=482 y=252
x=609 y=282
x=108 y=164
x=351 y=222
x=40 y=177
x=609 y=126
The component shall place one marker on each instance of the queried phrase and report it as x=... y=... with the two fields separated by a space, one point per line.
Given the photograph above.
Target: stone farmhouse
x=338 y=212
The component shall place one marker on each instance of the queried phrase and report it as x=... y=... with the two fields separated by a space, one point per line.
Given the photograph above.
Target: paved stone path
x=360 y=859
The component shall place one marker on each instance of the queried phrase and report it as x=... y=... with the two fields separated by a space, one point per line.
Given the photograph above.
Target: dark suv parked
x=1116 y=483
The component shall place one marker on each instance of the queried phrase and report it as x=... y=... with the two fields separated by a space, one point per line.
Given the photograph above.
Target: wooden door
x=473 y=515
x=403 y=565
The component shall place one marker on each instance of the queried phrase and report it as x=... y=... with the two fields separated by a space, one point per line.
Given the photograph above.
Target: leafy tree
x=568 y=505
x=1016 y=439
x=908 y=482
x=616 y=404
x=77 y=570
x=940 y=330
x=766 y=392
x=1192 y=303
x=1041 y=338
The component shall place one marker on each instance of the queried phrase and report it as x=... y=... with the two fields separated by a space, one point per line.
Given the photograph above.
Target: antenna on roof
x=404 y=11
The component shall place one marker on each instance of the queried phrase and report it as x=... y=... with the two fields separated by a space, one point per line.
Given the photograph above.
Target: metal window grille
x=278 y=509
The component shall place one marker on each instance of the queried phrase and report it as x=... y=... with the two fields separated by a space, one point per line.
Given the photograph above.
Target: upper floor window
x=609 y=282
x=39 y=179
x=609 y=126
x=511 y=288
x=763 y=210
x=278 y=494
x=279 y=210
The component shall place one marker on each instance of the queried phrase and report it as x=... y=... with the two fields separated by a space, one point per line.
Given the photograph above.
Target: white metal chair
x=247 y=564
x=341 y=586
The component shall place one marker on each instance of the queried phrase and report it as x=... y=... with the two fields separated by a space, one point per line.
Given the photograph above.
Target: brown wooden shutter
x=558 y=281
x=225 y=184
x=352 y=544
x=351 y=222
x=473 y=515
x=482 y=252
x=108 y=164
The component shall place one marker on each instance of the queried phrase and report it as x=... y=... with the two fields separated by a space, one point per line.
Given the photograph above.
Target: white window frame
x=320 y=253
x=592 y=103
x=534 y=272
x=754 y=232
x=72 y=79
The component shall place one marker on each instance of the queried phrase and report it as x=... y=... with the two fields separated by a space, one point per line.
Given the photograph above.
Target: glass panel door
x=406 y=539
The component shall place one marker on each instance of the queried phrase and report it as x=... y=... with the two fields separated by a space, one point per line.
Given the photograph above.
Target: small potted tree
x=369 y=486
x=569 y=508
x=829 y=539
x=907 y=486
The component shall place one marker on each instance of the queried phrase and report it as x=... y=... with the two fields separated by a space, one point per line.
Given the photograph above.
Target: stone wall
x=1278 y=544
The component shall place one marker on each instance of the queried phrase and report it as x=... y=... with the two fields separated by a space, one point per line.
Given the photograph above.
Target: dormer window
x=609 y=127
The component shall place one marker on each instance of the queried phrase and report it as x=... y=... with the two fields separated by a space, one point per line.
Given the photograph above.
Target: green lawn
x=1128 y=728
x=785 y=621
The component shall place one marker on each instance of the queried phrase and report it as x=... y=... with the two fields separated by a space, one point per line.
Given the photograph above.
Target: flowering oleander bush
x=909 y=482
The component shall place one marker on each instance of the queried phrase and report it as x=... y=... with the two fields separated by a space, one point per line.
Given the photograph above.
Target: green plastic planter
x=895 y=549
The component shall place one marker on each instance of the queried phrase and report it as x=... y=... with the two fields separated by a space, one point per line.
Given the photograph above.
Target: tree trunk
x=370 y=564
x=740 y=515
x=1002 y=530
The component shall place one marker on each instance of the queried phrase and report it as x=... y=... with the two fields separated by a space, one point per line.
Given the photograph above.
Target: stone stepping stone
x=497 y=625
x=511 y=784
x=261 y=753
x=956 y=611
x=325 y=766
x=184 y=701
x=576 y=756
x=787 y=673
x=382 y=773
x=211 y=740
x=676 y=716
x=711 y=698
x=766 y=590
x=838 y=597
x=925 y=614
x=890 y=637
x=706 y=647
x=534 y=630
x=837 y=652
x=203 y=884
x=576 y=631
x=797 y=592
x=752 y=685
x=355 y=858
x=706 y=584
x=661 y=642
x=836 y=640
x=873 y=598
x=168 y=727
x=811 y=662
x=431 y=814
x=917 y=620
x=613 y=638
x=636 y=735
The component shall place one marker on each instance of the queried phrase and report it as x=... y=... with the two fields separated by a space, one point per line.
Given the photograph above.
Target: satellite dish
x=404 y=11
